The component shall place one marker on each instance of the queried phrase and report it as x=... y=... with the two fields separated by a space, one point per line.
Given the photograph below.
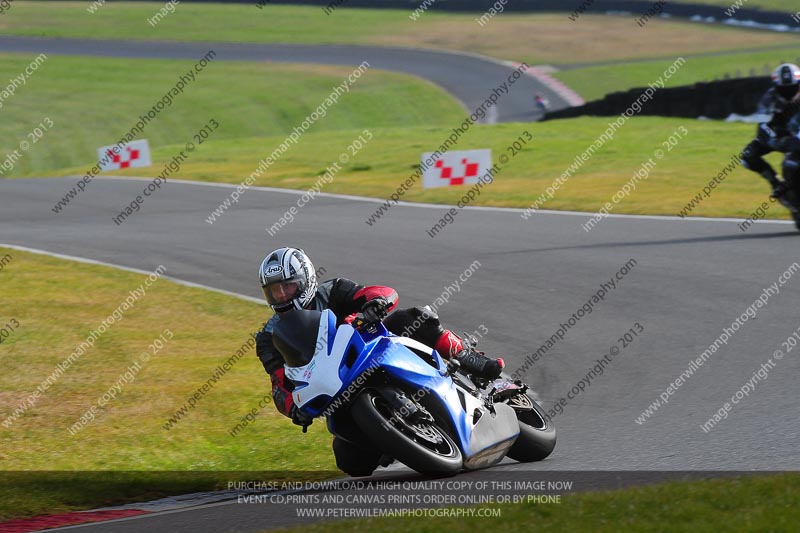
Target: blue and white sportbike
x=409 y=403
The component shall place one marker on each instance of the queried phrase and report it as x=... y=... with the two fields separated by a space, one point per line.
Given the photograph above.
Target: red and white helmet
x=288 y=279
x=786 y=74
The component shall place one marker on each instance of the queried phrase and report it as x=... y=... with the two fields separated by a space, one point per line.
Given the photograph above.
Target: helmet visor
x=283 y=292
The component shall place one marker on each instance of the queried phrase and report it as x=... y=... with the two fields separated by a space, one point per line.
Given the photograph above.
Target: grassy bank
x=128 y=435
x=405 y=116
x=595 y=82
x=535 y=38
x=246 y=99
x=393 y=155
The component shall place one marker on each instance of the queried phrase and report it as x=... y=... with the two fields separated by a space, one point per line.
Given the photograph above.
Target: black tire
x=796 y=217
x=371 y=412
x=537 y=434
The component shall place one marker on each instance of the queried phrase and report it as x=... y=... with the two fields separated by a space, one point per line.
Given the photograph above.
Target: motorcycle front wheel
x=419 y=444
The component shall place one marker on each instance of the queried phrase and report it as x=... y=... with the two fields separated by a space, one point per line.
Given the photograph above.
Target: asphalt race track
x=471 y=79
x=691 y=279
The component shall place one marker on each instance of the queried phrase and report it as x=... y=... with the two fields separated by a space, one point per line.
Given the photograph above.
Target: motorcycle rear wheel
x=420 y=445
x=537 y=434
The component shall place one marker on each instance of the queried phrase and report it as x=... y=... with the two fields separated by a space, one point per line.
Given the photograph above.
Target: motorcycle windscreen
x=295 y=336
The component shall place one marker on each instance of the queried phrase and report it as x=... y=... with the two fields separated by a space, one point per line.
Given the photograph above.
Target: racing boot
x=779 y=187
x=477 y=363
x=451 y=346
x=786 y=197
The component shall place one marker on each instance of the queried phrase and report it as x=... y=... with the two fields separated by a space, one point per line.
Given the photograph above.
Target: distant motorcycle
x=791 y=201
x=542 y=104
x=410 y=403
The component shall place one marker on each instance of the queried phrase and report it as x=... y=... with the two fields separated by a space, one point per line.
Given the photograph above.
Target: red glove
x=281 y=394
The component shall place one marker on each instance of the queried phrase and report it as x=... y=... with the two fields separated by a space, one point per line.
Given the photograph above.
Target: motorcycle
x=790 y=197
x=791 y=200
x=411 y=404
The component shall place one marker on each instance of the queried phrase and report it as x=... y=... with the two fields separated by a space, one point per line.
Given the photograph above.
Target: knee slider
x=429 y=319
x=747 y=157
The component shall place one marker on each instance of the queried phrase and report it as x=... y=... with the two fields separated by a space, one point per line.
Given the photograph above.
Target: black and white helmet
x=288 y=279
x=786 y=79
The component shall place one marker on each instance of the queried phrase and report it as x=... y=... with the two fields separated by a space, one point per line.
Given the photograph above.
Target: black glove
x=300 y=418
x=375 y=310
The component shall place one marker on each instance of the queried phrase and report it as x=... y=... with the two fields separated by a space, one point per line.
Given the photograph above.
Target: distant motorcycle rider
x=782 y=101
x=542 y=103
x=289 y=281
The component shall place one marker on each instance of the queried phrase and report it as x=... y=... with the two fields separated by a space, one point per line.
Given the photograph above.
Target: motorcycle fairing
x=342 y=357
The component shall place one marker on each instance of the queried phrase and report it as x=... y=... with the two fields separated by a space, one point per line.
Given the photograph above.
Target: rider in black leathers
x=289 y=282
x=782 y=101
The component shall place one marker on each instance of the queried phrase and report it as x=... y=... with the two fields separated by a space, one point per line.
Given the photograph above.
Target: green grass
x=127 y=435
x=534 y=38
x=198 y=22
x=752 y=503
x=394 y=153
x=94 y=102
x=595 y=82
x=406 y=116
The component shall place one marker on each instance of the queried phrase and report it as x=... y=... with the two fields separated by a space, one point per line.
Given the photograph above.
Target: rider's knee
x=414 y=315
x=419 y=323
x=749 y=157
x=426 y=313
